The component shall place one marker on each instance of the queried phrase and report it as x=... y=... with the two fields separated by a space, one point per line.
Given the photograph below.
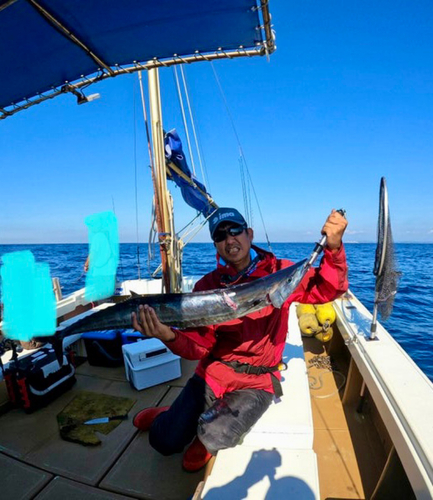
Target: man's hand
x=334 y=228
x=148 y=324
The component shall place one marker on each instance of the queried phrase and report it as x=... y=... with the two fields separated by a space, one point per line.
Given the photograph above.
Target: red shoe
x=144 y=418
x=196 y=456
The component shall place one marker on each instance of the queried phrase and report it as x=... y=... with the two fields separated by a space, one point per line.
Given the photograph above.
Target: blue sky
x=346 y=98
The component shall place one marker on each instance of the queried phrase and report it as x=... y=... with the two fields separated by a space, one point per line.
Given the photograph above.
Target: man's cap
x=225 y=214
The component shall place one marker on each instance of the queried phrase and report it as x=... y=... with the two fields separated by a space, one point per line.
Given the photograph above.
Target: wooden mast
x=170 y=247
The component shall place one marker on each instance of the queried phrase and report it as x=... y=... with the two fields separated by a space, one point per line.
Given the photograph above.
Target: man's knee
x=215 y=440
x=217 y=433
x=225 y=423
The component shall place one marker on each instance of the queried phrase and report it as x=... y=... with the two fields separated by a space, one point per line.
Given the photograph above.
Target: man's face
x=234 y=249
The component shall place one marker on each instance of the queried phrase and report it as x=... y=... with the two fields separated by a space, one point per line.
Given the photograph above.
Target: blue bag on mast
x=191 y=195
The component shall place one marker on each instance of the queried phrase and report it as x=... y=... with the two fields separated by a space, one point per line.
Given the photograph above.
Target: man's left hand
x=147 y=323
x=334 y=228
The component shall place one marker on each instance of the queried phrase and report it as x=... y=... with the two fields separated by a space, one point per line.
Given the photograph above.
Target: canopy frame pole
x=266 y=47
x=137 y=66
x=267 y=27
x=65 y=31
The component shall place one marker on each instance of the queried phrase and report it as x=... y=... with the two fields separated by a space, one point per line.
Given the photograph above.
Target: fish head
x=290 y=279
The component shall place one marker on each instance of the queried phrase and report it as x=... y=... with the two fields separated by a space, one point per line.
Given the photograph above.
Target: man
x=236 y=378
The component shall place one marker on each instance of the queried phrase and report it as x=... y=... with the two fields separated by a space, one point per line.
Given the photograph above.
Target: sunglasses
x=221 y=234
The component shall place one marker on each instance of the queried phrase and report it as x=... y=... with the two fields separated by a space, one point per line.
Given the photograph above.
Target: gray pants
x=218 y=422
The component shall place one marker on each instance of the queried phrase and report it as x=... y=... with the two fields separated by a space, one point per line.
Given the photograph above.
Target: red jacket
x=258 y=338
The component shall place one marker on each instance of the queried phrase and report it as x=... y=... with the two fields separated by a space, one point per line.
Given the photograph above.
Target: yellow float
x=325 y=314
x=308 y=324
x=325 y=335
x=305 y=309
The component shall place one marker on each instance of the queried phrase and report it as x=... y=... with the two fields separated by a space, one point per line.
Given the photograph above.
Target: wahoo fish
x=185 y=310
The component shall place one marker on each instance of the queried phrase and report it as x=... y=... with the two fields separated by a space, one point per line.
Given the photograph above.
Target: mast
x=170 y=246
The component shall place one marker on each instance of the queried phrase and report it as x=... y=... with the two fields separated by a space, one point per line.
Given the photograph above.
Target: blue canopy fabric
x=192 y=196
x=36 y=55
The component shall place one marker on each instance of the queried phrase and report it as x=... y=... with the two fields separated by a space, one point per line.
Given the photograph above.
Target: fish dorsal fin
x=134 y=295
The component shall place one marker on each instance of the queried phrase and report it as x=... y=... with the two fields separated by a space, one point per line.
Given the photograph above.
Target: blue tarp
x=191 y=195
x=35 y=56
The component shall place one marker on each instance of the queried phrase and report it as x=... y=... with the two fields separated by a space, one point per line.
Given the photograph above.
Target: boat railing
x=401 y=392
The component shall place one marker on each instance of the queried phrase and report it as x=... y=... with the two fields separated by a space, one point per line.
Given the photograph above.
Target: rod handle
x=318 y=249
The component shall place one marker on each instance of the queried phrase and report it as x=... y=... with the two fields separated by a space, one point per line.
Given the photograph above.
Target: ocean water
x=410 y=323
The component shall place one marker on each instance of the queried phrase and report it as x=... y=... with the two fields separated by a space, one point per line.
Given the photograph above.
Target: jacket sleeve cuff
x=337 y=257
x=176 y=345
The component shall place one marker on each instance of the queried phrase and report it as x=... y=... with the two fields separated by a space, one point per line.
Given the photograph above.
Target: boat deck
x=36 y=463
x=349 y=450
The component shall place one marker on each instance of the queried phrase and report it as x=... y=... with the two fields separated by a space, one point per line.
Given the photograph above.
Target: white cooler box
x=149 y=362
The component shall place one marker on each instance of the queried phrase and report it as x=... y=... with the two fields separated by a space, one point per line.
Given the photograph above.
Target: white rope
x=184 y=118
x=195 y=229
x=193 y=125
x=152 y=230
x=136 y=186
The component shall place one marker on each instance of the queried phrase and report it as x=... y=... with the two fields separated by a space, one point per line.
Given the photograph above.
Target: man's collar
x=222 y=262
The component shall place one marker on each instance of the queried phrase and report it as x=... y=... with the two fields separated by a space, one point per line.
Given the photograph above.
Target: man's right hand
x=147 y=323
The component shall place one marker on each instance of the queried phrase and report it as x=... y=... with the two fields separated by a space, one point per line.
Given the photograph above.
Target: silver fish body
x=185 y=310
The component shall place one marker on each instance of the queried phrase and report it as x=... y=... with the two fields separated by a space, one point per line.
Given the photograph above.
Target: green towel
x=85 y=406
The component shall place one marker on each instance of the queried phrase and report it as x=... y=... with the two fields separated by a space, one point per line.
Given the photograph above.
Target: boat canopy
x=48 y=47
x=193 y=192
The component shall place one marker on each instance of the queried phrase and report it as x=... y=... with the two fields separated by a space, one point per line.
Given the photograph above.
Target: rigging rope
x=179 y=94
x=152 y=239
x=156 y=216
x=185 y=87
x=195 y=229
x=122 y=272
x=136 y=183
x=248 y=175
x=172 y=166
x=246 y=193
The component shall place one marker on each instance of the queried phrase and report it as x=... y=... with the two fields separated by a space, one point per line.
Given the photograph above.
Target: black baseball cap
x=225 y=214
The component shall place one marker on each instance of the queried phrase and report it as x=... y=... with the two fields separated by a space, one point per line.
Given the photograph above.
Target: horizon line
x=211 y=243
